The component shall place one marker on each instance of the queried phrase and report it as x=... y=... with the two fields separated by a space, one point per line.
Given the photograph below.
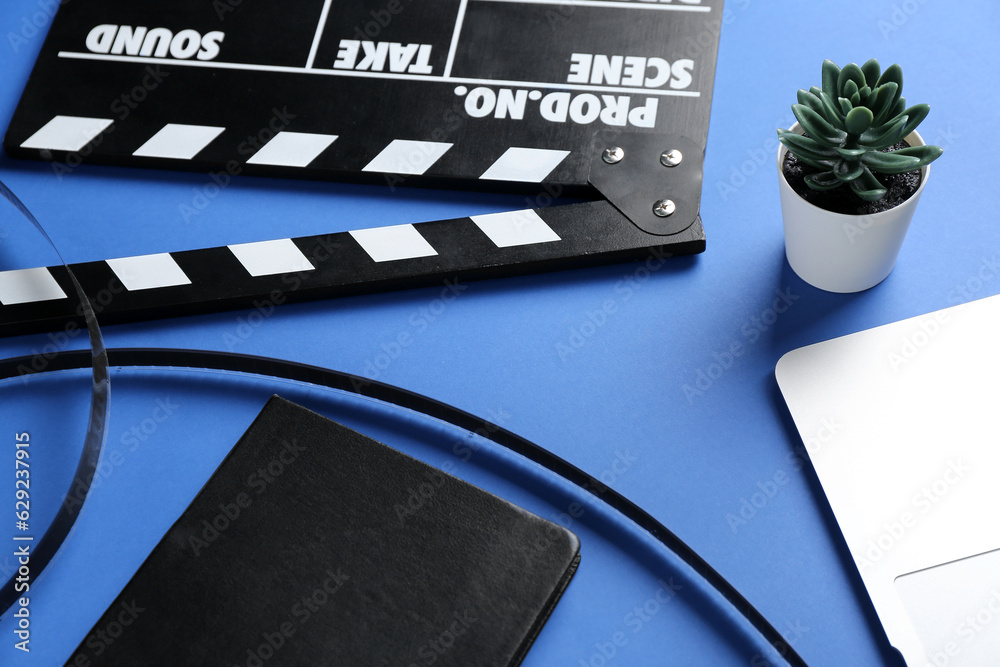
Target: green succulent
x=857 y=114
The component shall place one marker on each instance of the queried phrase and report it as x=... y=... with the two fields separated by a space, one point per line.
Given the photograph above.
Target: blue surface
x=585 y=363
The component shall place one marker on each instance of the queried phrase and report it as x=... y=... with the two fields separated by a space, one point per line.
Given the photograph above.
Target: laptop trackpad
x=955 y=609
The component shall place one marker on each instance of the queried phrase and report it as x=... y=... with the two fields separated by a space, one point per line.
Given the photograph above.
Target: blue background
x=590 y=364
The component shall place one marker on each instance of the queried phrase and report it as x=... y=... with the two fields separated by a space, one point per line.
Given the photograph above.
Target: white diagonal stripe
x=28 y=286
x=403 y=156
x=267 y=258
x=387 y=244
x=67 y=133
x=527 y=165
x=148 y=271
x=292 y=149
x=515 y=228
x=178 y=142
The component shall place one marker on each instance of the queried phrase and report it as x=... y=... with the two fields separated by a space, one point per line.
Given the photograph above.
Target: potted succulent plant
x=850 y=173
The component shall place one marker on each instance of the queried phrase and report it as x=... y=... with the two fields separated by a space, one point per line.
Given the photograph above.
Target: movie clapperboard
x=601 y=100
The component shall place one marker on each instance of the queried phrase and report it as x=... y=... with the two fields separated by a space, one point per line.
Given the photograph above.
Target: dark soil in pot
x=843 y=200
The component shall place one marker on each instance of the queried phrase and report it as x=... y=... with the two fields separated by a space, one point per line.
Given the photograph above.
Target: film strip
x=601 y=99
x=44 y=550
x=729 y=598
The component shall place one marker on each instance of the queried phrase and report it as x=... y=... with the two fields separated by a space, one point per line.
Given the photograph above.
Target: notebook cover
x=315 y=545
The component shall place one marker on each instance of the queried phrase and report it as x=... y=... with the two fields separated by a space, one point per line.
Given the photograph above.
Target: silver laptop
x=902 y=424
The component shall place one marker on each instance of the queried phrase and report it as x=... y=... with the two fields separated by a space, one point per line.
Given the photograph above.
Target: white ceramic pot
x=843 y=253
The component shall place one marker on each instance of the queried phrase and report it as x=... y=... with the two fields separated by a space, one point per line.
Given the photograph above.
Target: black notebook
x=315 y=545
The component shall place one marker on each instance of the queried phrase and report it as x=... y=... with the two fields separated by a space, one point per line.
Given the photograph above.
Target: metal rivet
x=613 y=154
x=664 y=208
x=671 y=158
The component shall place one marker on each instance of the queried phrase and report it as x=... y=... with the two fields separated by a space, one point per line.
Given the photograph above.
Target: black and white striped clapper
x=486 y=94
x=265 y=274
